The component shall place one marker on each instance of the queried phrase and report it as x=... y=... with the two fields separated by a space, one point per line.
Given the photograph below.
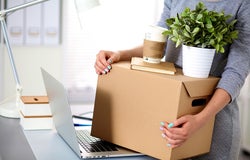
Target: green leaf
x=209 y=26
x=217 y=47
x=170 y=21
x=234 y=34
x=185 y=12
x=196 y=30
x=228 y=16
x=192 y=16
x=197 y=42
x=208 y=21
x=203 y=33
x=185 y=32
x=174 y=39
x=167 y=32
x=222 y=50
x=200 y=23
x=224 y=31
x=199 y=6
x=210 y=30
x=213 y=19
x=175 y=33
x=199 y=17
x=212 y=42
x=187 y=28
x=178 y=43
x=232 y=23
x=219 y=37
x=203 y=45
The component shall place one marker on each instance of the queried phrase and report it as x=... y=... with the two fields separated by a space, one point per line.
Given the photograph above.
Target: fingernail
x=103 y=72
x=169 y=145
x=170 y=125
x=110 y=61
x=106 y=70
x=162 y=123
x=161 y=128
x=163 y=135
x=109 y=67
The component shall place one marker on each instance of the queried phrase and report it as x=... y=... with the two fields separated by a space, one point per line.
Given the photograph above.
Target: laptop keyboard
x=93 y=144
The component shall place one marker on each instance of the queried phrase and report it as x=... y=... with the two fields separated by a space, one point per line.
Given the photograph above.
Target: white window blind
x=114 y=25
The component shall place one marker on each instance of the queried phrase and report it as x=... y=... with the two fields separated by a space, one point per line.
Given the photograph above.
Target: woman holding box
x=233 y=67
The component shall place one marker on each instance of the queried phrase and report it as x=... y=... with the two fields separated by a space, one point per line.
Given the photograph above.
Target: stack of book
x=35 y=113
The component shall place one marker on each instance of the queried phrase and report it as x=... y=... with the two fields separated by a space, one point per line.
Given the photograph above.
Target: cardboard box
x=130 y=105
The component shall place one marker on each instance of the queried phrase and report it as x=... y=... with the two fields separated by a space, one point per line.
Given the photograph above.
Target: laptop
x=80 y=141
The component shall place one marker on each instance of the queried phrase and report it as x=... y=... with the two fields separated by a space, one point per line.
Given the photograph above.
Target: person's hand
x=104 y=59
x=180 y=130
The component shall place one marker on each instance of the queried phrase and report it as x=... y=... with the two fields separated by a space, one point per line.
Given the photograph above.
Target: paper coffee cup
x=154 y=44
x=154 y=33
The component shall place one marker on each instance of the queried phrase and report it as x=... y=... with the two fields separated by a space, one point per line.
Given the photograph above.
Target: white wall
x=28 y=61
x=114 y=25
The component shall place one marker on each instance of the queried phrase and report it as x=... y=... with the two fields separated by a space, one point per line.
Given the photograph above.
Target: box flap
x=201 y=87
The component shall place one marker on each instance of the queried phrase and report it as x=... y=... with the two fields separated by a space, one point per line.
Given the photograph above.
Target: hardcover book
x=35 y=106
x=137 y=63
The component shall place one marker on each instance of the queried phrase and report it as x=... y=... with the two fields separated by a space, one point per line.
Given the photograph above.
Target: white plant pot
x=197 y=62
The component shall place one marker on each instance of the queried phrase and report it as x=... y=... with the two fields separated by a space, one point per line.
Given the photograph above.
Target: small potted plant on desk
x=199 y=31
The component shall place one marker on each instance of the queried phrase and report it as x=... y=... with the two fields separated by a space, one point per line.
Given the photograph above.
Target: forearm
x=126 y=55
x=218 y=101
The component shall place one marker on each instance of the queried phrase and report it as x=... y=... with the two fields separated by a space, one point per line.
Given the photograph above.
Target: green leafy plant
x=202 y=28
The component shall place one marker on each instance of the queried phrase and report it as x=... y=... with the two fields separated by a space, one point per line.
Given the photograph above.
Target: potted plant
x=201 y=29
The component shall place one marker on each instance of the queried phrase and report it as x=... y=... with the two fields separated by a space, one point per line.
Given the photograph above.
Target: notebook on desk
x=80 y=141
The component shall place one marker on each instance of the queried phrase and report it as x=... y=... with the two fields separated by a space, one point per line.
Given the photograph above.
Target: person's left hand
x=180 y=130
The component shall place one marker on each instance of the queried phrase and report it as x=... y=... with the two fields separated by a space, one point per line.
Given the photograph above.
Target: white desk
x=47 y=145
x=13 y=144
x=16 y=144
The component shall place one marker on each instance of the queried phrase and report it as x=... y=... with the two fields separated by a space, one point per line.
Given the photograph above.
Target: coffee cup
x=154 y=44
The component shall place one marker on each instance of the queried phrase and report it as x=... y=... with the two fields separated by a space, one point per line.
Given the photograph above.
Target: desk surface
x=48 y=145
x=13 y=143
x=16 y=144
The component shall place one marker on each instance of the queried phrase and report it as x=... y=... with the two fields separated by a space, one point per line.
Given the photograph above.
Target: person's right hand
x=104 y=59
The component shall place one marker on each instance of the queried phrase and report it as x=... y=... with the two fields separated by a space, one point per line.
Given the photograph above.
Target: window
x=114 y=25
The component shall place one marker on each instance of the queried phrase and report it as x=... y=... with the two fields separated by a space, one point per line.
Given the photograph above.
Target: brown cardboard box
x=131 y=104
